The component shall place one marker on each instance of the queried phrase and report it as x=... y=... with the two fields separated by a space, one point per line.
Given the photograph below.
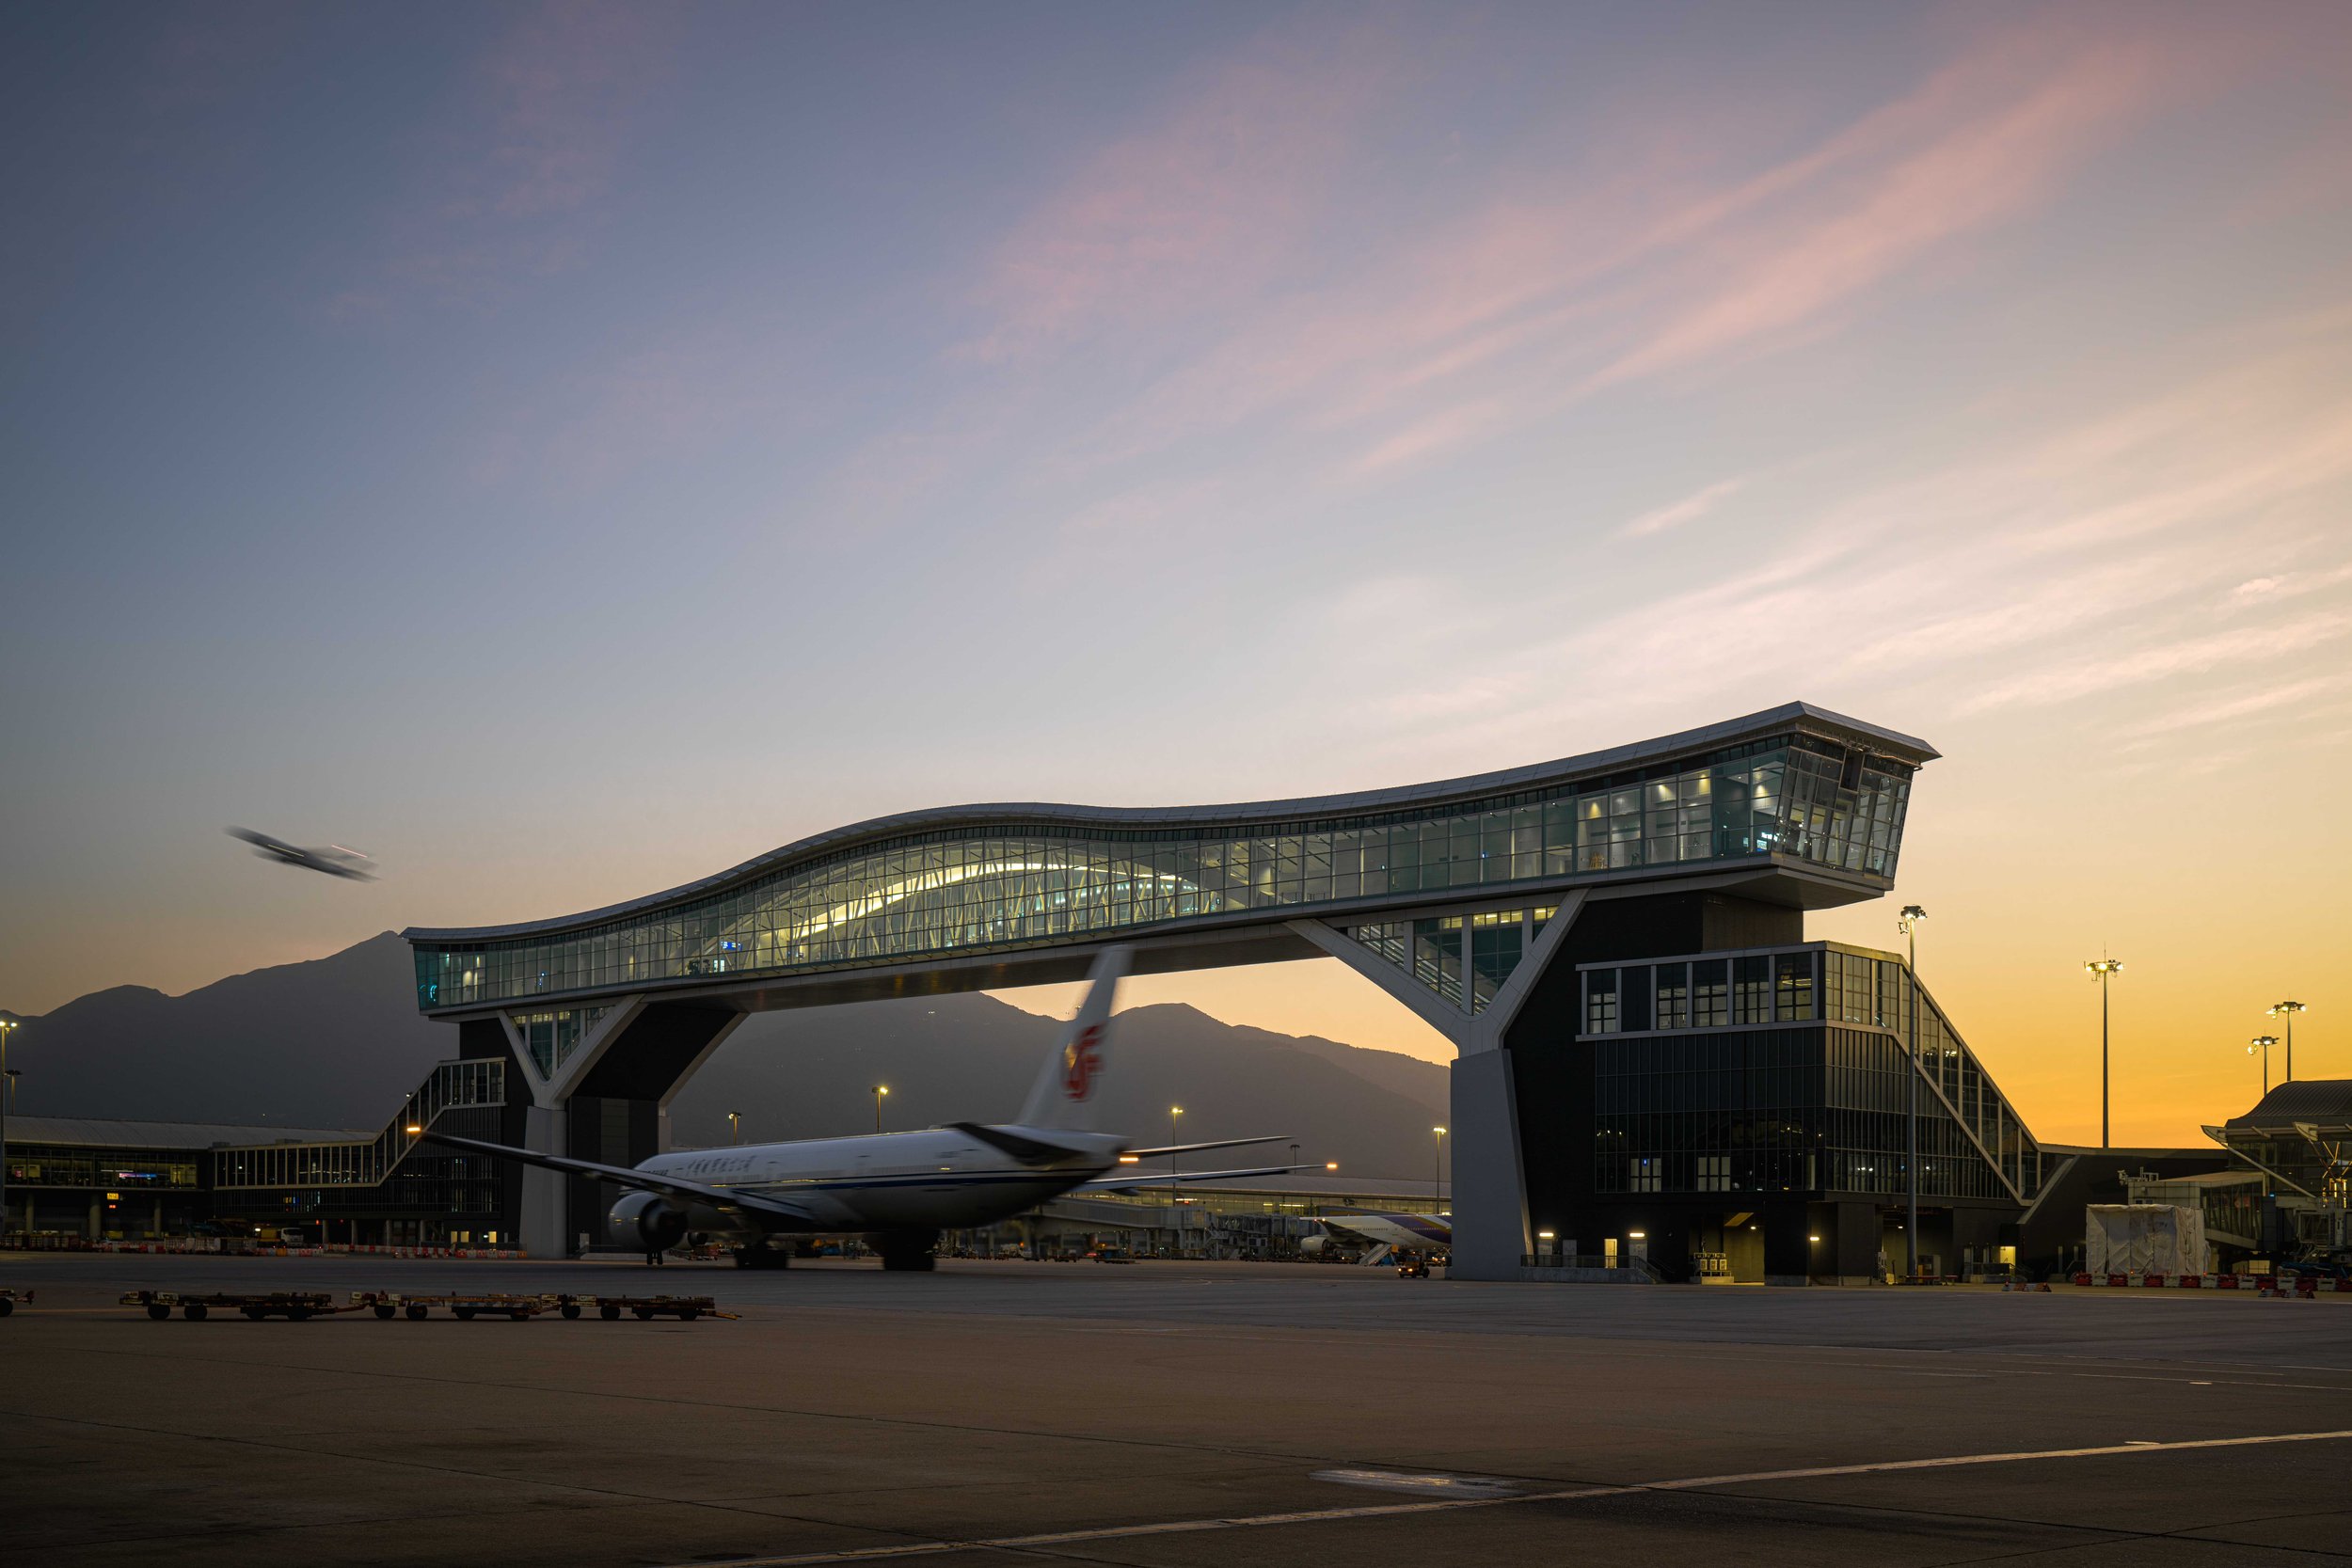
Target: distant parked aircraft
x=334 y=859
x=1434 y=1232
x=899 y=1189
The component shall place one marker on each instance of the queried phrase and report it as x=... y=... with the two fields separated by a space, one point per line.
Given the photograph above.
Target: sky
x=567 y=449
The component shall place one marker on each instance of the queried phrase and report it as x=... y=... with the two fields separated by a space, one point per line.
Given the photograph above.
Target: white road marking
x=1319 y=1515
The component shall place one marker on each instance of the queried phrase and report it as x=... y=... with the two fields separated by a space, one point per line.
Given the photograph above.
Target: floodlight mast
x=2287 y=1010
x=1908 y=923
x=2102 y=970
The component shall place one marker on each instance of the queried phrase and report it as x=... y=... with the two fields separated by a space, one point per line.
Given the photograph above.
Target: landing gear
x=907 y=1250
x=759 y=1255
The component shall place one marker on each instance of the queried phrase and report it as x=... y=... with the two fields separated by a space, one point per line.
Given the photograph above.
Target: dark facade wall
x=1553 y=1074
x=480 y=1039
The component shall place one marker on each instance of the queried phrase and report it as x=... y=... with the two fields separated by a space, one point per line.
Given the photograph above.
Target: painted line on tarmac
x=1451 y=1505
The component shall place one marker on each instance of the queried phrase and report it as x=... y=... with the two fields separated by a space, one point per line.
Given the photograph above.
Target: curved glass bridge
x=1612 y=943
x=1795 y=787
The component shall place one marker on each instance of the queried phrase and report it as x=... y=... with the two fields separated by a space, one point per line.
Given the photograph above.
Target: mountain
x=336 y=1042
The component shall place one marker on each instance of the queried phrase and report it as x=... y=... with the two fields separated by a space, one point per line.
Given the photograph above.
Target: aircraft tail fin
x=1069 y=1086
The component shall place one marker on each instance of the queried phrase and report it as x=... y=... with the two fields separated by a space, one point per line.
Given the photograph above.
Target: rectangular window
x=1646 y=1173
x=1751 y=991
x=1674 y=996
x=1600 y=1002
x=1710 y=996
x=1792 y=987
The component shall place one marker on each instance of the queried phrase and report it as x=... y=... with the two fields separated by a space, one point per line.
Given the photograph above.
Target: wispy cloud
x=1205 y=205
x=2242 y=704
x=520 y=167
x=1689 y=508
x=2161 y=661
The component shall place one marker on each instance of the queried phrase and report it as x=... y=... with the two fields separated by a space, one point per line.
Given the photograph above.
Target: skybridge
x=1472 y=900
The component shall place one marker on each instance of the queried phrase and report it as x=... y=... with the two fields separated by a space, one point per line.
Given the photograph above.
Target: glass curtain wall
x=979 y=889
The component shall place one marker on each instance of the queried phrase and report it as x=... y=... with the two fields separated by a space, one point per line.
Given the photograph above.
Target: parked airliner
x=1395 y=1228
x=898 y=1190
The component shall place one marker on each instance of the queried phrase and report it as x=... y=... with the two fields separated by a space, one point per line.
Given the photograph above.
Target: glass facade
x=453 y=1086
x=1701 y=1086
x=981 y=888
x=1462 y=958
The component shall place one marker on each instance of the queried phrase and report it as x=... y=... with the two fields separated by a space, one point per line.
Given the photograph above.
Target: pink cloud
x=1206 y=204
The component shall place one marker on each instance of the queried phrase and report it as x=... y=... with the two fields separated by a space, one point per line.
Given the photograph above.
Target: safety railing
x=464 y=1084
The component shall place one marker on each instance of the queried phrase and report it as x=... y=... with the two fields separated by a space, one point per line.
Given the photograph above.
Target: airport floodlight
x=2262 y=1043
x=1331 y=1164
x=1813 y=1237
x=2102 y=969
x=2287 y=1010
x=879 y=1090
x=1907 y=922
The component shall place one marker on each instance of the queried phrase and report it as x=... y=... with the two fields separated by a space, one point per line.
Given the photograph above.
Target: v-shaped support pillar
x=1491 y=1228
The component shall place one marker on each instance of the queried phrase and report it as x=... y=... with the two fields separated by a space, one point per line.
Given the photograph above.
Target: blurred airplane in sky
x=334 y=859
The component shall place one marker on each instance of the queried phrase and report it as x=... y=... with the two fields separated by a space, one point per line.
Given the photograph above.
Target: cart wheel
x=297 y=1314
x=465 y=1314
x=644 y=1314
x=155 y=1309
x=416 y=1313
x=610 y=1314
x=6 y=1306
x=384 y=1311
x=689 y=1314
x=517 y=1317
x=194 y=1311
x=571 y=1309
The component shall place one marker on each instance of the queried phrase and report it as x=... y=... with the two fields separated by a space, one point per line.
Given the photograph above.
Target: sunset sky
x=566 y=450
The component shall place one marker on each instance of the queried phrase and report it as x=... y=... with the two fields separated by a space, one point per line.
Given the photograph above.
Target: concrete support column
x=543 y=1224
x=1490 y=1228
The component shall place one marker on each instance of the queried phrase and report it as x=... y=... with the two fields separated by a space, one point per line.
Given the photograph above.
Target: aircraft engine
x=649 y=1217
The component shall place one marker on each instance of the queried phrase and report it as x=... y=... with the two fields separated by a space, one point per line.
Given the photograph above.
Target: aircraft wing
x=1136 y=1179
x=1028 y=1152
x=647 y=1181
x=1194 y=1148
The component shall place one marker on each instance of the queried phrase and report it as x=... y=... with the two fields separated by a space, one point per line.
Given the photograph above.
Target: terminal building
x=1655 y=1063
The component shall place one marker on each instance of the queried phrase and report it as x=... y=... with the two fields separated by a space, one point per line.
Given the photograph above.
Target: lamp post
x=1174 y=1211
x=1436 y=1172
x=2287 y=1010
x=734 y=1127
x=2263 y=1043
x=8 y=1027
x=2102 y=970
x=1908 y=923
x=879 y=1089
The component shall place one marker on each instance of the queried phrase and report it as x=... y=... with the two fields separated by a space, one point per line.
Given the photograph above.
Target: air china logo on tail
x=1079 y=1062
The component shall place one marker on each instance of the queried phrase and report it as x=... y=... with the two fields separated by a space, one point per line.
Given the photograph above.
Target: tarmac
x=1163 y=1414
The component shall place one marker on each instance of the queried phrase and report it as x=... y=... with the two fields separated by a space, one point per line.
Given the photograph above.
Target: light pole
x=8 y=1027
x=1908 y=923
x=1175 y=1214
x=2102 y=970
x=2263 y=1043
x=1436 y=1172
x=879 y=1089
x=734 y=1127
x=2287 y=1010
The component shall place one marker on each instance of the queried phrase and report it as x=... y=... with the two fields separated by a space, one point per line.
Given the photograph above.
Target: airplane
x=334 y=859
x=897 y=1190
x=1402 y=1231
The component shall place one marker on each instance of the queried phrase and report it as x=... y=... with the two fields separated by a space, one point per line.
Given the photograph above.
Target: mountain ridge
x=337 y=1042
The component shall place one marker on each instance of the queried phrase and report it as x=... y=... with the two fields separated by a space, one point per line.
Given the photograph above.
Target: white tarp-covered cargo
x=2144 y=1238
